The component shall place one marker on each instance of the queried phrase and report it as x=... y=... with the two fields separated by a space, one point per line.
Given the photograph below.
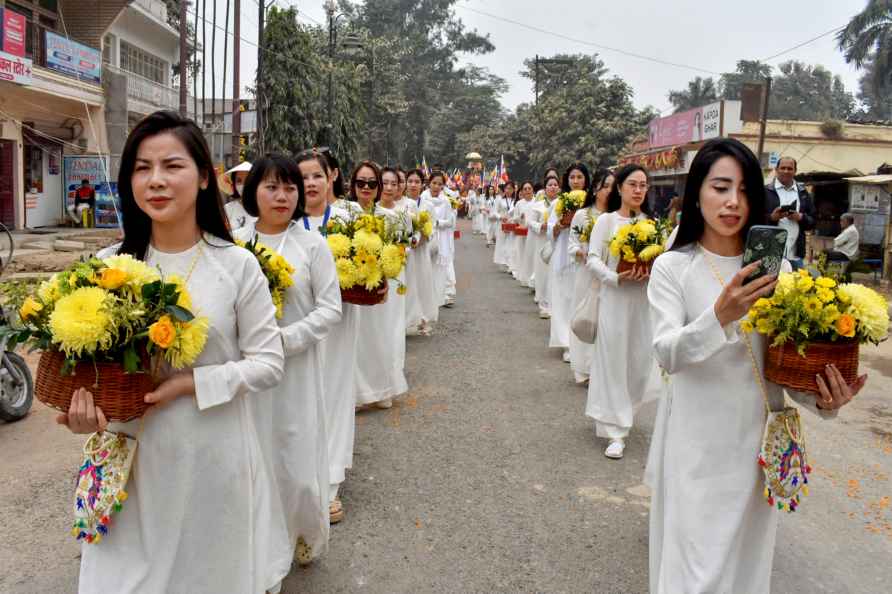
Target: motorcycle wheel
x=15 y=401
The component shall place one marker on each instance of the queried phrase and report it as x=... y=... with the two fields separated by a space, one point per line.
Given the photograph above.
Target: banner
x=693 y=125
x=79 y=168
x=15 y=69
x=12 y=32
x=73 y=58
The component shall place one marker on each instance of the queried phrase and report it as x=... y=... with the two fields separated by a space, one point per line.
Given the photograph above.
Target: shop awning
x=871 y=180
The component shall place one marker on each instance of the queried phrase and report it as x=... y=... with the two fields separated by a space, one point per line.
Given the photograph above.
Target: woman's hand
x=178 y=385
x=737 y=298
x=636 y=275
x=557 y=229
x=580 y=256
x=83 y=415
x=834 y=392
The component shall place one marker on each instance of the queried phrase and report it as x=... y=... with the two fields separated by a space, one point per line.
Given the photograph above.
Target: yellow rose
x=845 y=325
x=31 y=307
x=112 y=278
x=162 y=332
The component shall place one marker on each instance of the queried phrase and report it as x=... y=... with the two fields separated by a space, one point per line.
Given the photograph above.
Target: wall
x=136 y=29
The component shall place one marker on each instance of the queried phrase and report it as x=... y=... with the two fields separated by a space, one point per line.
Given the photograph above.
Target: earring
x=697 y=204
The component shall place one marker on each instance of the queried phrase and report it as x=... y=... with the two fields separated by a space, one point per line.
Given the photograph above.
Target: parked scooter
x=16 y=384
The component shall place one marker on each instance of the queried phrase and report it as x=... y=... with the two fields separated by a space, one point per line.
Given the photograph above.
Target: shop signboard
x=93 y=169
x=693 y=125
x=15 y=69
x=73 y=58
x=12 y=32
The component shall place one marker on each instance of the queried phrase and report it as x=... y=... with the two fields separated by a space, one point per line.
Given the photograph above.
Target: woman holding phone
x=711 y=529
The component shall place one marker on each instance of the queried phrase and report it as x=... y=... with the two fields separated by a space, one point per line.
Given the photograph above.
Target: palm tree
x=700 y=92
x=868 y=37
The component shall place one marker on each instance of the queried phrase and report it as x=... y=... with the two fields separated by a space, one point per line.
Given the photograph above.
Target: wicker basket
x=456 y=234
x=624 y=266
x=521 y=231
x=786 y=367
x=119 y=395
x=361 y=296
x=508 y=227
x=567 y=218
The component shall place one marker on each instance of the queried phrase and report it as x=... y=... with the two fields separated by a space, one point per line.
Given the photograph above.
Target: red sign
x=13 y=33
x=658 y=161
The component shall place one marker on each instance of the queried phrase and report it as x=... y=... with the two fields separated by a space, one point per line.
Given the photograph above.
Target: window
x=108 y=49
x=41 y=15
x=138 y=61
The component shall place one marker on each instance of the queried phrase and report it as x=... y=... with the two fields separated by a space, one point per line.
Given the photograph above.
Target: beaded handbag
x=101 y=480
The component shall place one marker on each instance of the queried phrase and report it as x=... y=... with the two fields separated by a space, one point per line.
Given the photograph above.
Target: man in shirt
x=788 y=205
x=84 y=199
x=845 y=245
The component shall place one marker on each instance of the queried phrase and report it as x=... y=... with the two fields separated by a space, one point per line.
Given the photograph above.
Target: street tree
x=700 y=92
x=868 y=39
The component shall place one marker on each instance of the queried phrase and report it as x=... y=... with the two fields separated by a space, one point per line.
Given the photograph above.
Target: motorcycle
x=16 y=383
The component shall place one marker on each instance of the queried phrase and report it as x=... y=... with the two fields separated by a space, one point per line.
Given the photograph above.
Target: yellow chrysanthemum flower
x=629 y=254
x=339 y=244
x=650 y=252
x=786 y=282
x=372 y=277
x=81 y=323
x=804 y=283
x=765 y=326
x=189 y=343
x=825 y=282
x=391 y=261
x=49 y=290
x=428 y=229
x=31 y=307
x=138 y=272
x=347 y=273
x=746 y=326
x=184 y=300
x=869 y=308
x=813 y=307
x=761 y=303
x=367 y=241
x=825 y=295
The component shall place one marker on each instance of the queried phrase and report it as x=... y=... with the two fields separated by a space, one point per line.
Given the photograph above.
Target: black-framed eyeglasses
x=316 y=150
x=371 y=184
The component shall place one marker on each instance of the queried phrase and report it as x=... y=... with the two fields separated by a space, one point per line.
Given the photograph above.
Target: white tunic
x=294 y=412
x=711 y=530
x=584 y=282
x=444 y=263
x=541 y=270
x=338 y=369
x=560 y=283
x=381 y=344
x=501 y=207
x=524 y=244
x=491 y=219
x=625 y=374
x=236 y=214
x=418 y=269
x=202 y=514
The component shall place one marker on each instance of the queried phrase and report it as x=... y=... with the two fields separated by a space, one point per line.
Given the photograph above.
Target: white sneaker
x=615 y=449
x=544 y=314
x=566 y=356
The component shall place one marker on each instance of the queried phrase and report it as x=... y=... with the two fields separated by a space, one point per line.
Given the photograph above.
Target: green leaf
x=131 y=359
x=181 y=314
x=150 y=291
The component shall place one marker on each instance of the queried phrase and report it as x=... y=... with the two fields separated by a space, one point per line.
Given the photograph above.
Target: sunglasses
x=371 y=184
x=317 y=150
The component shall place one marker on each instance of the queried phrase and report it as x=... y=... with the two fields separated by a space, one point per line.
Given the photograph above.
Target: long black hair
x=565 y=180
x=614 y=200
x=334 y=166
x=692 y=225
x=600 y=179
x=209 y=213
x=284 y=170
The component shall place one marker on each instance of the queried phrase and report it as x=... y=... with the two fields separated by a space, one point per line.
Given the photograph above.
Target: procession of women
x=243 y=453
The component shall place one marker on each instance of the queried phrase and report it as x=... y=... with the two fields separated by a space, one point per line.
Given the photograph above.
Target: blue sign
x=73 y=58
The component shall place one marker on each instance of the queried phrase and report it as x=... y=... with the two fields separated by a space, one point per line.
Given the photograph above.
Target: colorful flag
x=503 y=171
x=424 y=168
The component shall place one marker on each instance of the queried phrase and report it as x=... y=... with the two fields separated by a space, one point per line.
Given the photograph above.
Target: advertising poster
x=73 y=58
x=693 y=125
x=79 y=168
x=12 y=26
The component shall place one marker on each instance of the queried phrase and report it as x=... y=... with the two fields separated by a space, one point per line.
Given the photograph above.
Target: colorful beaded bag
x=783 y=458
x=101 y=480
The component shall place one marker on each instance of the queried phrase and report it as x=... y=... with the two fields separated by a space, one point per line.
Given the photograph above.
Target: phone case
x=768 y=244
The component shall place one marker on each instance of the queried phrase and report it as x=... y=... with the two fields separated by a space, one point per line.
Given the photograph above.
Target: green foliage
x=867 y=39
x=805 y=92
x=700 y=92
x=748 y=71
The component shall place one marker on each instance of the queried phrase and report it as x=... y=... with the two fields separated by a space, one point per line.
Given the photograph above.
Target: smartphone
x=789 y=207
x=768 y=244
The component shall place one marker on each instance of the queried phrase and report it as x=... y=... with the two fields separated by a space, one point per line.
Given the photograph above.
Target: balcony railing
x=156 y=8
x=150 y=93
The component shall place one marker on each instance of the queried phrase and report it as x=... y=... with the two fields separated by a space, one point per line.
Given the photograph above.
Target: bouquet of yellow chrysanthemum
x=422 y=223
x=585 y=231
x=568 y=203
x=276 y=269
x=814 y=321
x=114 y=315
x=639 y=243
x=367 y=252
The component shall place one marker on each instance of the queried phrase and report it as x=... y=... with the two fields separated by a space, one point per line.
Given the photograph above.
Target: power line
x=589 y=43
x=804 y=43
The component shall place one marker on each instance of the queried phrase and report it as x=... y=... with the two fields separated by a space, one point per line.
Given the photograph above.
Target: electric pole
x=184 y=59
x=260 y=99
x=236 y=101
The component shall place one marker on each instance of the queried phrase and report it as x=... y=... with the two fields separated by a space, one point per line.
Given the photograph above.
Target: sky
x=700 y=38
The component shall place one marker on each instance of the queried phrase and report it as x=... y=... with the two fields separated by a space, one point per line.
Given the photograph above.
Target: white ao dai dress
x=524 y=244
x=584 y=282
x=501 y=208
x=202 y=515
x=624 y=373
x=711 y=530
x=295 y=440
x=560 y=283
x=444 y=217
x=381 y=343
x=541 y=269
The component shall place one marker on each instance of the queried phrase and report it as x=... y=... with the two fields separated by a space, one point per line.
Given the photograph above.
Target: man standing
x=788 y=205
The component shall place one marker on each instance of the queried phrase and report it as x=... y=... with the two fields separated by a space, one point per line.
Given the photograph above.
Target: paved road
x=487 y=477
